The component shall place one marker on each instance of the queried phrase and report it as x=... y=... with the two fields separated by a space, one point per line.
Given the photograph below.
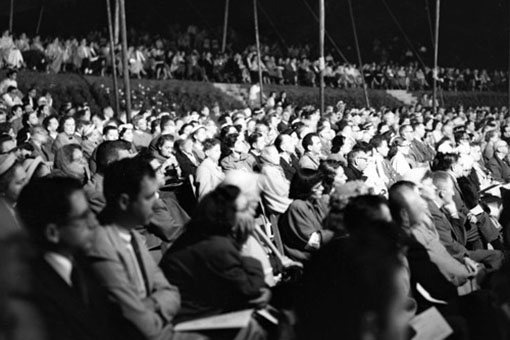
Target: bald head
x=406 y=205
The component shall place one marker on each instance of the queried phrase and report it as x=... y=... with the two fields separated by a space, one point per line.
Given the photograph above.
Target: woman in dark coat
x=301 y=225
x=206 y=262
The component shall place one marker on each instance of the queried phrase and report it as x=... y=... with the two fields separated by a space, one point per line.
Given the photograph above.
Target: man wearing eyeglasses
x=357 y=162
x=498 y=164
x=58 y=219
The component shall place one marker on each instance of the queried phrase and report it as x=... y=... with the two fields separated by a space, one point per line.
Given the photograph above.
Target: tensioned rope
x=353 y=22
x=404 y=33
x=272 y=24
x=429 y=20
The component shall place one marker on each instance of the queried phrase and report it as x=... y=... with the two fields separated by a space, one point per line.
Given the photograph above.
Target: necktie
x=79 y=285
x=141 y=266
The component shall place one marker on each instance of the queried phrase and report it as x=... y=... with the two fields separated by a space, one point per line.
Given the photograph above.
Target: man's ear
x=52 y=233
x=369 y=326
x=404 y=216
x=124 y=202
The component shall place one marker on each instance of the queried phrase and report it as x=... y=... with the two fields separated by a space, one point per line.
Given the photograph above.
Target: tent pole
x=125 y=64
x=259 y=59
x=436 y=51
x=112 y=55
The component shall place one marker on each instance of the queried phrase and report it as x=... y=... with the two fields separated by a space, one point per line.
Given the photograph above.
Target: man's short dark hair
x=16 y=107
x=125 y=177
x=353 y=154
x=230 y=140
x=444 y=161
x=308 y=140
x=377 y=141
x=108 y=152
x=44 y=201
x=279 y=140
x=108 y=128
x=164 y=121
x=210 y=143
x=309 y=112
x=254 y=138
x=403 y=127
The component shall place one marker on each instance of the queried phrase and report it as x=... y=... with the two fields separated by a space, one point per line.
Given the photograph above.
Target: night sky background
x=473 y=33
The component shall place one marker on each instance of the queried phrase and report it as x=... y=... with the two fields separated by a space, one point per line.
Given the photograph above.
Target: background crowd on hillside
x=195 y=54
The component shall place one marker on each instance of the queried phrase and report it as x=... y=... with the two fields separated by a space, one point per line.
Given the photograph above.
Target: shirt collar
x=124 y=235
x=61 y=264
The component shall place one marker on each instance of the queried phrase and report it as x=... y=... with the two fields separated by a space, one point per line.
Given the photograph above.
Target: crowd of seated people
x=348 y=224
x=195 y=55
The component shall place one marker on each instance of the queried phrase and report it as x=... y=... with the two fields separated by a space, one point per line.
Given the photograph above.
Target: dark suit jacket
x=66 y=316
x=289 y=169
x=470 y=187
x=354 y=174
x=212 y=276
x=458 y=198
x=9 y=224
x=451 y=233
x=426 y=273
x=499 y=168
x=187 y=166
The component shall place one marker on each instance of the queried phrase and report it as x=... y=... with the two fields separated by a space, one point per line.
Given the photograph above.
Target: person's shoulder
x=102 y=243
x=216 y=246
x=300 y=205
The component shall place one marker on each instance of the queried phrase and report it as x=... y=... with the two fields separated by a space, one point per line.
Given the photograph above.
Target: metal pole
x=259 y=59
x=11 y=16
x=116 y=30
x=125 y=65
x=365 y=91
x=225 y=26
x=436 y=50
x=39 y=21
x=508 y=73
x=322 y=30
x=112 y=55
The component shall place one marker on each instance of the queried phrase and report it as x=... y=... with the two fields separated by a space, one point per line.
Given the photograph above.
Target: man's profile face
x=383 y=149
x=77 y=232
x=141 y=205
x=112 y=135
x=416 y=206
x=316 y=145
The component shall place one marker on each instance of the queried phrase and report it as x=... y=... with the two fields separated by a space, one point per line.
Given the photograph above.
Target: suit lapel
x=120 y=247
x=63 y=296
